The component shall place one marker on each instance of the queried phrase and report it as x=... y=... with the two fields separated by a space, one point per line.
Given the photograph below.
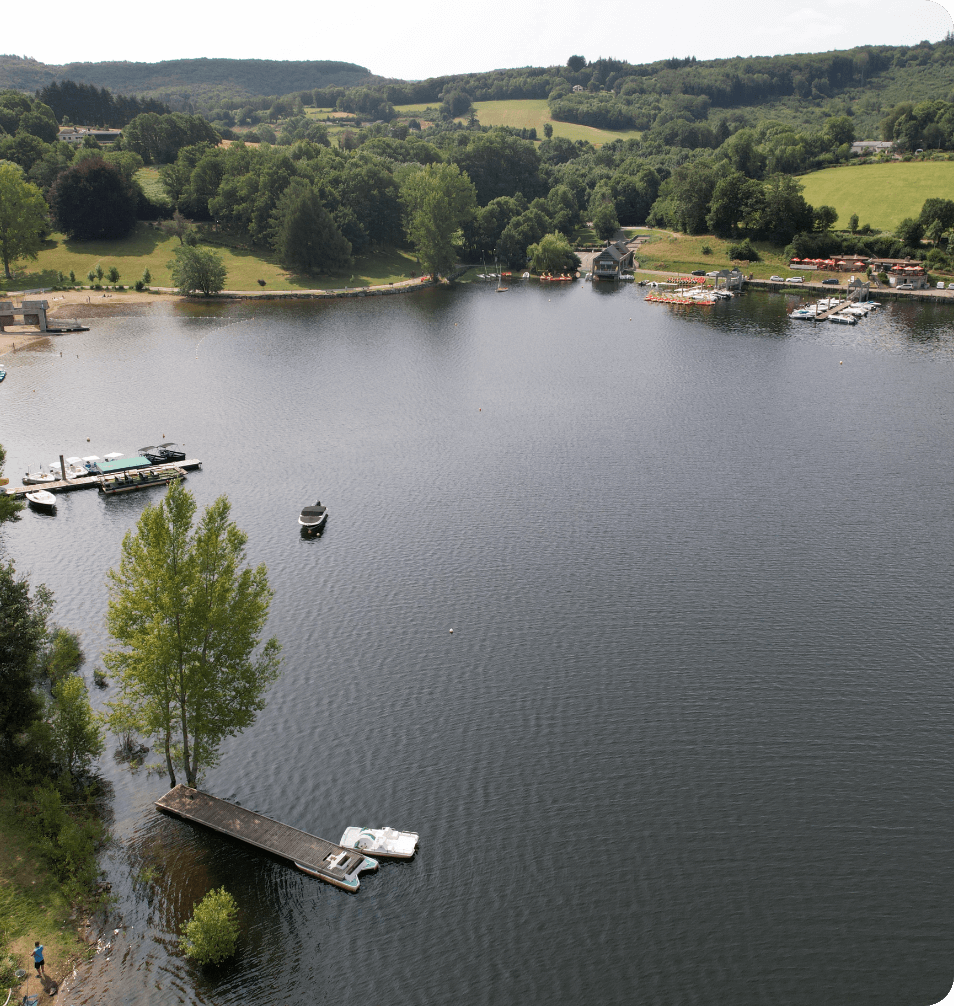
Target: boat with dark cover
x=312 y=518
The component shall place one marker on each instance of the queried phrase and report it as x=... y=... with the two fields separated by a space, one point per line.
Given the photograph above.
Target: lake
x=690 y=739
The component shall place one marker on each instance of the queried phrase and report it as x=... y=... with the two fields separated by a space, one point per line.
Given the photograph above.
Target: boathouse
x=612 y=261
x=33 y=312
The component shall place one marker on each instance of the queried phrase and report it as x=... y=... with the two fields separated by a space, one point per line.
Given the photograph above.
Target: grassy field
x=881 y=194
x=150 y=248
x=530 y=113
x=148 y=178
x=683 y=253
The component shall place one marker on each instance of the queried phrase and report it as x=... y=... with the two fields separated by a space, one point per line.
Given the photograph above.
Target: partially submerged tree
x=76 y=729
x=187 y=616
x=212 y=932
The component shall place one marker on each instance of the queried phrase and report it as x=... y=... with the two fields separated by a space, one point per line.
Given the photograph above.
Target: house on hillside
x=612 y=260
x=871 y=146
x=76 y=134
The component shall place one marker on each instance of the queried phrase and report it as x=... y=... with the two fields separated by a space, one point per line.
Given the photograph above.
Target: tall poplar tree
x=186 y=616
x=23 y=217
x=439 y=199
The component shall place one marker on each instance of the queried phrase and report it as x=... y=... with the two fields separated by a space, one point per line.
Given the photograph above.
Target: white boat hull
x=381 y=841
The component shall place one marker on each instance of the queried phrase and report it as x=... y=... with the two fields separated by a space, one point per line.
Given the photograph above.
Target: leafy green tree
x=113 y=275
x=439 y=199
x=186 y=616
x=605 y=221
x=853 y=223
x=23 y=217
x=10 y=506
x=552 y=254
x=524 y=230
x=547 y=130
x=197 y=269
x=211 y=934
x=306 y=237
x=77 y=731
x=576 y=63
x=825 y=217
x=93 y=200
x=910 y=232
x=22 y=632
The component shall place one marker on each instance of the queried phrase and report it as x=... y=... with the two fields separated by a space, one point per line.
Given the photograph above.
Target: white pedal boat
x=381 y=841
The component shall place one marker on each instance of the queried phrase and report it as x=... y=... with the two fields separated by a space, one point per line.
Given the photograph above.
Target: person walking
x=38 y=962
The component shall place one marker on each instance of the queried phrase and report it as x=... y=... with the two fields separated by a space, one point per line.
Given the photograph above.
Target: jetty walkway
x=92 y=481
x=313 y=855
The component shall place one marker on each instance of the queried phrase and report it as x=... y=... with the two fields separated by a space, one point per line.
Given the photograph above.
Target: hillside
x=881 y=194
x=192 y=77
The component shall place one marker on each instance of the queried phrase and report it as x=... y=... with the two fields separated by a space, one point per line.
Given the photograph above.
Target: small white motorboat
x=39 y=478
x=381 y=841
x=312 y=518
x=40 y=499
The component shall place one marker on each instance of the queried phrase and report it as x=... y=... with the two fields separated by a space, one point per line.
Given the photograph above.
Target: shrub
x=62 y=656
x=744 y=252
x=139 y=285
x=211 y=934
x=707 y=249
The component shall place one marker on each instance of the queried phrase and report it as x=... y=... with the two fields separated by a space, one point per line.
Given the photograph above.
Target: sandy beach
x=69 y=305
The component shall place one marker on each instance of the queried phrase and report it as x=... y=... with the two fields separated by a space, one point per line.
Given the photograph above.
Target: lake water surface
x=690 y=740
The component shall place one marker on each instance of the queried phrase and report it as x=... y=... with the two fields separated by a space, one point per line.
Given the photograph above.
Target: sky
x=415 y=39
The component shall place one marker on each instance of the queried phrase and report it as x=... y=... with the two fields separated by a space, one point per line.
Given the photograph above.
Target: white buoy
x=451 y=632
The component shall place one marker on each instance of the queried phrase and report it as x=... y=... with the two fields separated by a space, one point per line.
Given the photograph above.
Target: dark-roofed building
x=612 y=260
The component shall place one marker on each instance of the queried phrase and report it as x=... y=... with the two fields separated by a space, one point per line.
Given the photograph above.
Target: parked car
x=715 y=272
x=795 y=279
x=940 y=285
x=698 y=272
x=905 y=286
x=776 y=279
x=830 y=282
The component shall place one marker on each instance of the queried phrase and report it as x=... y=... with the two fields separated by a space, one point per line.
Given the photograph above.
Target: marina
x=93 y=481
x=314 y=856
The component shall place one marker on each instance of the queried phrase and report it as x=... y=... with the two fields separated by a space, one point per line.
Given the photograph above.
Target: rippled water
x=690 y=739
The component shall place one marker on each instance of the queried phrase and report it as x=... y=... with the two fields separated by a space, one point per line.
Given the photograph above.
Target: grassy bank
x=684 y=253
x=149 y=248
x=38 y=891
x=881 y=194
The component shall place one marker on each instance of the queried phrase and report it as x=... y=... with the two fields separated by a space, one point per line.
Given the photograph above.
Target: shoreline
x=77 y=304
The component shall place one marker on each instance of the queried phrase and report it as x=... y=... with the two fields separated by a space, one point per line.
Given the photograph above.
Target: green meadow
x=530 y=113
x=150 y=248
x=881 y=194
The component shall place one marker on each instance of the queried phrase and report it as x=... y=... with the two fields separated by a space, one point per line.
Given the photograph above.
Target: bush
x=707 y=249
x=211 y=934
x=744 y=252
x=62 y=656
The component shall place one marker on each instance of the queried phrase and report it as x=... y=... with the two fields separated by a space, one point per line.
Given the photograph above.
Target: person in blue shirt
x=38 y=959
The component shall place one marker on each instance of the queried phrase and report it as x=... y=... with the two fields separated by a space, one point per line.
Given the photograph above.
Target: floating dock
x=92 y=481
x=313 y=855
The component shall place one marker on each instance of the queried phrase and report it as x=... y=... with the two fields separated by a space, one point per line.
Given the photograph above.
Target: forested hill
x=188 y=77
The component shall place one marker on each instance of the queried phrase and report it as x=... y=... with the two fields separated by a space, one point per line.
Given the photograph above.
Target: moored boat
x=381 y=841
x=312 y=518
x=124 y=482
x=42 y=500
x=38 y=478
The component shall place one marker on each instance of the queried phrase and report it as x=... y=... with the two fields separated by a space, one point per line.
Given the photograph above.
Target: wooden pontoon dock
x=313 y=855
x=92 y=481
